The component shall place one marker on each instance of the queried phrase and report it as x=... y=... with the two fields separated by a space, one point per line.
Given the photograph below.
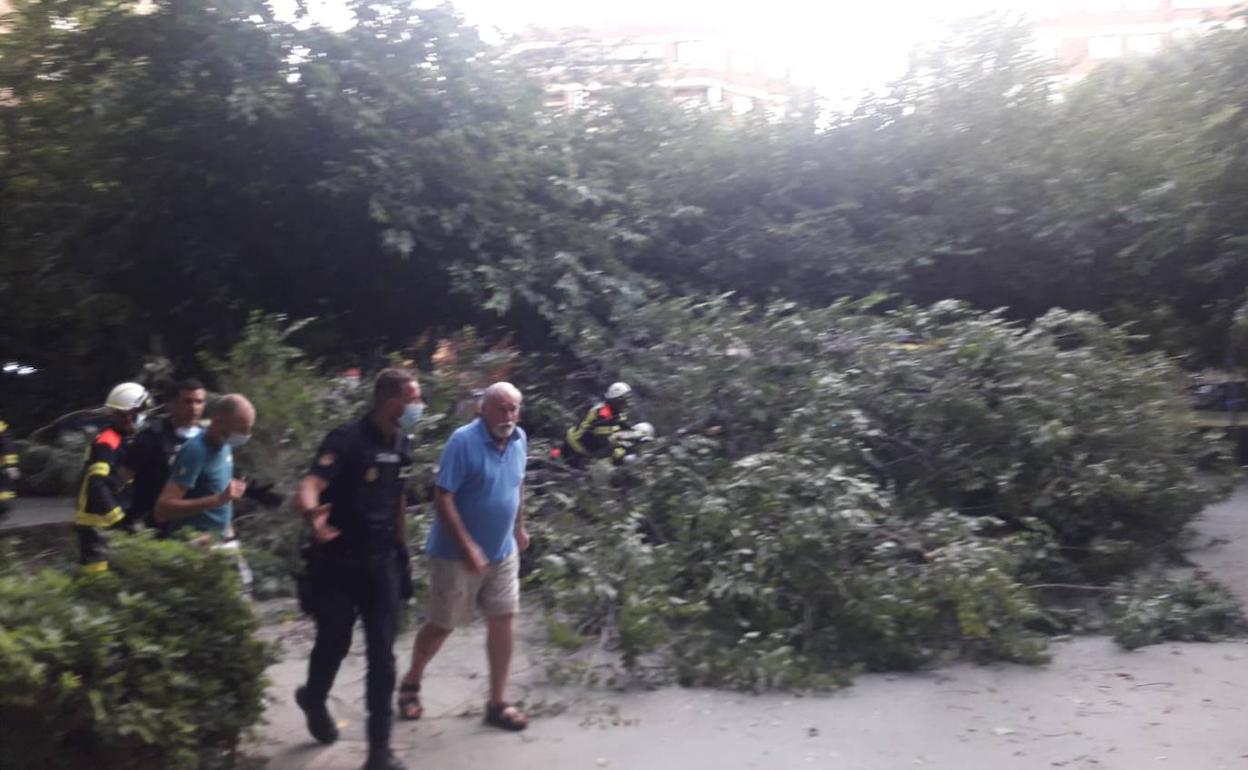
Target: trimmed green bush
x=150 y=666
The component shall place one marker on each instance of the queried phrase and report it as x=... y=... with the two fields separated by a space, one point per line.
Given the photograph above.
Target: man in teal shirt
x=202 y=489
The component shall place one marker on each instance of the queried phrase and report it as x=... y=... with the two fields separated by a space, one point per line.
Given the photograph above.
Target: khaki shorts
x=455 y=592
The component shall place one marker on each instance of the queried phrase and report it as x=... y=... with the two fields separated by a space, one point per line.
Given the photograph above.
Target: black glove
x=264 y=495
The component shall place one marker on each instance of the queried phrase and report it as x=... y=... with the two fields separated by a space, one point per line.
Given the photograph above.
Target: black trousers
x=572 y=457
x=92 y=546
x=344 y=590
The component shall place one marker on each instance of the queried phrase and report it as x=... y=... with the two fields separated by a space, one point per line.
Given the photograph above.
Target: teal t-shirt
x=204 y=471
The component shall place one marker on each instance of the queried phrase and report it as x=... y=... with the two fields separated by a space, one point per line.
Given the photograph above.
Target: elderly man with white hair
x=474 y=560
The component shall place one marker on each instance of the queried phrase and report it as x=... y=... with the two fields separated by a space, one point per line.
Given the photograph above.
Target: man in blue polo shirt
x=474 y=560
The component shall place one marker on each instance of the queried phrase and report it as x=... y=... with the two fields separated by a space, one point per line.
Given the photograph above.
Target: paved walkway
x=1095 y=706
x=38 y=512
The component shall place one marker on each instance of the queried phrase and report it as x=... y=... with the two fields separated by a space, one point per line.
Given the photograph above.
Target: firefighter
x=631 y=440
x=99 y=499
x=8 y=469
x=595 y=436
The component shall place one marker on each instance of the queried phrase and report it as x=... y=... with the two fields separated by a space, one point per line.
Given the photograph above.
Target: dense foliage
x=864 y=490
x=151 y=666
x=1157 y=609
x=167 y=173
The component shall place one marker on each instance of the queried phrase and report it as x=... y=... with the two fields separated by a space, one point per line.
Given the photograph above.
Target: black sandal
x=505 y=717
x=410 y=708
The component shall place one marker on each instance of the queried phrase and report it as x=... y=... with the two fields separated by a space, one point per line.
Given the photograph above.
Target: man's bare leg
x=429 y=640
x=498 y=646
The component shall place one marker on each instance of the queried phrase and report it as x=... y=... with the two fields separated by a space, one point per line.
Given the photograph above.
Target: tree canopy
x=163 y=174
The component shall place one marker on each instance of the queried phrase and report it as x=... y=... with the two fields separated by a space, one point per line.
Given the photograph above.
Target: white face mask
x=188 y=432
x=236 y=440
x=411 y=416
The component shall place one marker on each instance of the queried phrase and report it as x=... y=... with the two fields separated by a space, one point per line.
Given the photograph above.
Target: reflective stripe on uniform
x=99 y=520
x=7 y=494
x=9 y=460
x=574 y=441
x=95 y=567
x=578 y=430
x=90 y=519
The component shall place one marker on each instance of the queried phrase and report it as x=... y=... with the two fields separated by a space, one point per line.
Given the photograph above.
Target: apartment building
x=695 y=66
x=1083 y=35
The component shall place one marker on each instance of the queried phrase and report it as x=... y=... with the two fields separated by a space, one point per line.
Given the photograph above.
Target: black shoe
x=320 y=723
x=383 y=760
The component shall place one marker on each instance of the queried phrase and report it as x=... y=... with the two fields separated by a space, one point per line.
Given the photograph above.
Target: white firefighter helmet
x=644 y=430
x=127 y=397
x=619 y=390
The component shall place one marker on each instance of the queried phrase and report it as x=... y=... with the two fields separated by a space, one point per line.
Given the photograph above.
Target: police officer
x=151 y=452
x=104 y=477
x=595 y=435
x=353 y=498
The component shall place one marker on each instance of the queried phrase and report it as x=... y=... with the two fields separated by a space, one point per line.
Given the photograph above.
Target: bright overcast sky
x=840 y=46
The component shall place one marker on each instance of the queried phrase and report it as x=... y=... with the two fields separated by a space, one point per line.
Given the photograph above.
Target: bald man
x=474 y=548
x=202 y=489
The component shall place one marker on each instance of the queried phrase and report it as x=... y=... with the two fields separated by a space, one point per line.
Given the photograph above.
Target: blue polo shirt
x=204 y=470
x=486 y=483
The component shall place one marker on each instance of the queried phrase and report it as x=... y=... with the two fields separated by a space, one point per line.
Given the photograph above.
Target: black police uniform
x=357 y=573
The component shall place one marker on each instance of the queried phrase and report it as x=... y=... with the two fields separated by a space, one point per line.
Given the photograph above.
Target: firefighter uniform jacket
x=594 y=435
x=99 y=499
x=8 y=461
